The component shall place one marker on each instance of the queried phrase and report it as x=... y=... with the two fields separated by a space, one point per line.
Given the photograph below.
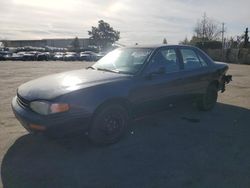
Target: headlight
x=46 y=108
x=40 y=107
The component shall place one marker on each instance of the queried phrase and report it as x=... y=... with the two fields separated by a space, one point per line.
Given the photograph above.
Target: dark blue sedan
x=101 y=99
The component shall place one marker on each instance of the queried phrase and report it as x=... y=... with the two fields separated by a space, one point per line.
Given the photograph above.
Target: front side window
x=124 y=60
x=167 y=59
x=190 y=59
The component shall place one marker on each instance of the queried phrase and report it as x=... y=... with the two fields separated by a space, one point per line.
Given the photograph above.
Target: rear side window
x=190 y=59
x=202 y=61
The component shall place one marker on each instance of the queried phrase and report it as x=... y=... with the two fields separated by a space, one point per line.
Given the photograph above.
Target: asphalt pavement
x=177 y=147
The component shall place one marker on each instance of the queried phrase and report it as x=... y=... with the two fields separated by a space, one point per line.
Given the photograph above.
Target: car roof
x=157 y=46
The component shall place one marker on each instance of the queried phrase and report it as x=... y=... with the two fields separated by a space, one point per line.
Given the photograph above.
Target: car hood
x=52 y=86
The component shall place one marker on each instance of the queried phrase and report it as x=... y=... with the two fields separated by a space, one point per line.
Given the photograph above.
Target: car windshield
x=123 y=60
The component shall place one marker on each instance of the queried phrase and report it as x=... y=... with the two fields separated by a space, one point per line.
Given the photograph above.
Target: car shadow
x=181 y=147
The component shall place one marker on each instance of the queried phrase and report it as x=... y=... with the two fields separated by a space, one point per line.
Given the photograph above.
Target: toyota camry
x=101 y=99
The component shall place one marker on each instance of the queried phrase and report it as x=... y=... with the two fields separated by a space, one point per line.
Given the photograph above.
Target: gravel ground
x=180 y=147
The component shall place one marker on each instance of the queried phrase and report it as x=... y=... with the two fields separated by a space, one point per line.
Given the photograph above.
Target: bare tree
x=207 y=29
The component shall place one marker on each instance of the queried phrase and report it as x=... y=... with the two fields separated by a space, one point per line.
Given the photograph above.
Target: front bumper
x=56 y=124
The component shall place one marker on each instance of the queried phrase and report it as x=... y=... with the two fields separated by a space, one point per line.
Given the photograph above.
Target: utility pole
x=222 y=40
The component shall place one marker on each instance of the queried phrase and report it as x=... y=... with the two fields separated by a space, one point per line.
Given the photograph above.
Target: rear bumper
x=58 y=125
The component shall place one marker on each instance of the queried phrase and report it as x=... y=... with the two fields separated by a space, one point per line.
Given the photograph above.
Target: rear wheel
x=109 y=124
x=209 y=99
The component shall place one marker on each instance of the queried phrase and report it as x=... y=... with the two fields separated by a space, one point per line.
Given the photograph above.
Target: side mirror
x=160 y=71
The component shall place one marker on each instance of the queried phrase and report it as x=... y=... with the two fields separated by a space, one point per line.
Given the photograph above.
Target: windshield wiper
x=108 y=70
x=126 y=72
x=90 y=67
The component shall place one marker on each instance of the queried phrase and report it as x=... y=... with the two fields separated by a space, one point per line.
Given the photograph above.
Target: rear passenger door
x=194 y=70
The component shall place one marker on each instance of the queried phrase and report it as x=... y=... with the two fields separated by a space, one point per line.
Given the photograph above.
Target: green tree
x=76 y=45
x=246 y=39
x=165 y=41
x=185 y=41
x=3 y=44
x=104 y=35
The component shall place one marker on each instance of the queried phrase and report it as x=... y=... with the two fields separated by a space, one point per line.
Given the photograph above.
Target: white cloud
x=65 y=5
x=142 y=21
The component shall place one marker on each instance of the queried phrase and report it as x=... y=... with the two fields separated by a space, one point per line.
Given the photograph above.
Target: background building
x=58 y=43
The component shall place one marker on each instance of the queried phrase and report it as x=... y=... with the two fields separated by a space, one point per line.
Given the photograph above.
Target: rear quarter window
x=192 y=59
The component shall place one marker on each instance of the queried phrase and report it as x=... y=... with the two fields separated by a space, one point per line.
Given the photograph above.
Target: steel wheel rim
x=113 y=124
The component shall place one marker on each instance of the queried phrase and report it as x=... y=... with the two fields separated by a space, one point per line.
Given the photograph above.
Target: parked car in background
x=9 y=56
x=88 y=56
x=16 y=57
x=100 y=55
x=101 y=99
x=5 y=55
x=59 y=56
x=30 y=56
x=45 y=56
x=1 y=57
x=71 y=56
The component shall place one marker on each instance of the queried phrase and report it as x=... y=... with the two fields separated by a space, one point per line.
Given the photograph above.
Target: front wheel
x=209 y=99
x=109 y=124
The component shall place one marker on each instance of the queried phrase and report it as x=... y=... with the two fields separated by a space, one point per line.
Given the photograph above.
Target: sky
x=139 y=21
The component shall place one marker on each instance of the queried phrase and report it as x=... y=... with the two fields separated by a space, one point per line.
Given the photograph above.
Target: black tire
x=208 y=100
x=109 y=124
